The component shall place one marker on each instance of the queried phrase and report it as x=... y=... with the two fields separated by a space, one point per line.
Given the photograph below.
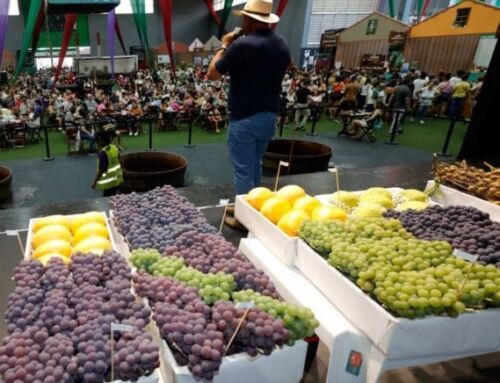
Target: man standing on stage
x=256 y=62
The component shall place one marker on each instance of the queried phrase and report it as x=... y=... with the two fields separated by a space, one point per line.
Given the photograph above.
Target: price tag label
x=465 y=256
x=332 y=170
x=11 y=233
x=223 y=202
x=354 y=363
x=122 y=327
x=284 y=163
x=245 y=305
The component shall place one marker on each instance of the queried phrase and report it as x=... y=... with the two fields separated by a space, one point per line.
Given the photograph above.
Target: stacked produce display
x=59 y=322
x=406 y=261
x=60 y=236
x=208 y=301
x=482 y=183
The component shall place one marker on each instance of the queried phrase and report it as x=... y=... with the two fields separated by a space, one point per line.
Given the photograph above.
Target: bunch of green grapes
x=166 y=266
x=211 y=287
x=299 y=321
x=144 y=258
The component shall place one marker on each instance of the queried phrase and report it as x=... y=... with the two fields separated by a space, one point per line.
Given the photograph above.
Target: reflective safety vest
x=113 y=177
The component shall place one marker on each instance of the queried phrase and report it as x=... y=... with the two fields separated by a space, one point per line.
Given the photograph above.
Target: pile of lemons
x=61 y=236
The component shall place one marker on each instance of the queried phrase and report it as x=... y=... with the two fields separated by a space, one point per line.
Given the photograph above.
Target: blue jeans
x=247 y=141
x=457 y=107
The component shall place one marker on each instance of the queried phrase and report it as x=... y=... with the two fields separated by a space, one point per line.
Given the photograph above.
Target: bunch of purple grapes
x=464 y=227
x=135 y=355
x=23 y=308
x=56 y=315
x=86 y=268
x=114 y=265
x=28 y=274
x=56 y=276
x=259 y=333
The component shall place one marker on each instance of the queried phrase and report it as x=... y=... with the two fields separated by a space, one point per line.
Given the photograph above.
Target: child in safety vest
x=109 y=174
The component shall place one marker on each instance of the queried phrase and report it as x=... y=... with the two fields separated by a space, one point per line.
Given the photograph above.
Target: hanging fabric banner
x=111 y=39
x=392 y=13
x=139 y=11
x=228 y=5
x=213 y=12
x=425 y=8
x=166 y=11
x=69 y=23
x=420 y=6
x=38 y=27
x=120 y=36
x=281 y=8
x=33 y=12
x=4 y=21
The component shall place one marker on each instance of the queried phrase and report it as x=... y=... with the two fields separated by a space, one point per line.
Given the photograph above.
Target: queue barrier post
x=313 y=133
x=394 y=129
x=190 y=134
x=451 y=128
x=48 y=157
x=150 y=128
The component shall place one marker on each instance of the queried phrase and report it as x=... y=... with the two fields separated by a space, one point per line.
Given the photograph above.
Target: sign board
x=374 y=62
x=329 y=40
x=396 y=37
x=163 y=59
x=139 y=51
x=81 y=6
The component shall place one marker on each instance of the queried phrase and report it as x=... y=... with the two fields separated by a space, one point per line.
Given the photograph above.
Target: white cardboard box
x=28 y=248
x=398 y=338
x=448 y=196
x=280 y=244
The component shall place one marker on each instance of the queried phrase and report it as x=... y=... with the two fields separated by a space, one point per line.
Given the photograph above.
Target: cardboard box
x=279 y=244
x=398 y=338
x=28 y=248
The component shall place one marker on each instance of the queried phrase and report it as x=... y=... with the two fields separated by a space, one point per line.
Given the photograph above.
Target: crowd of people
x=83 y=105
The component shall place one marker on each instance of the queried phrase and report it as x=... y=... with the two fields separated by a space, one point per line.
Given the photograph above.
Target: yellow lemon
x=48 y=233
x=344 y=197
x=92 y=243
x=47 y=257
x=274 y=208
x=377 y=199
x=369 y=210
x=51 y=220
x=291 y=193
x=257 y=196
x=83 y=219
x=292 y=221
x=328 y=213
x=378 y=191
x=55 y=246
x=90 y=230
x=306 y=204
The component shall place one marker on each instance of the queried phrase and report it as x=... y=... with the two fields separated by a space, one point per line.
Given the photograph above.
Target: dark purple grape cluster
x=135 y=355
x=56 y=315
x=114 y=265
x=154 y=219
x=56 y=275
x=28 y=274
x=23 y=308
x=464 y=227
x=259 y=333
x=86 y=268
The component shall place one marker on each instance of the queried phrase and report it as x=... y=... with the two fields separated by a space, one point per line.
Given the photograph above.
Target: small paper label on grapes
x=11 y=233
x=354 y=363
x=284 y=163
x=223 y=202
x=245 y=305
x=332 y=170
x=465 y=256
x=122 y=327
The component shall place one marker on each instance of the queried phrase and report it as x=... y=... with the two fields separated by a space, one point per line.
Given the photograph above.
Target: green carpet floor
x=428 y=138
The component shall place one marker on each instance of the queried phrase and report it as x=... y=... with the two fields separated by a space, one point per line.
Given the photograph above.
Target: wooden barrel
x=306 y=156
x=5 y=184
x=145 y=171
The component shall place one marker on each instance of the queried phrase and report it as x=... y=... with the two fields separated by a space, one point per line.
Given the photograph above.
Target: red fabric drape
x=213 y=12
x=166 y=11
x=69 y=23
x=120 y=36
x=425 y=7
x=280 y=9
x=38 y=28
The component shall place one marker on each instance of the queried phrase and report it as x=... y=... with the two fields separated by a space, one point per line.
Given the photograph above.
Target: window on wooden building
x=462 y=17
x=371 y=29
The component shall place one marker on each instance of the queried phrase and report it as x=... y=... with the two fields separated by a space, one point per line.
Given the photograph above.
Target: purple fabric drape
x=4 y=20
x=111 y=39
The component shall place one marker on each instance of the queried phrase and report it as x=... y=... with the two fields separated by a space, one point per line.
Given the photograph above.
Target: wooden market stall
x=449 y=39
x=369 y=36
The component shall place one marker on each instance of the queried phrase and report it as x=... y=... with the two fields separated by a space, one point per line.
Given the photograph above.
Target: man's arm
x=213 y=74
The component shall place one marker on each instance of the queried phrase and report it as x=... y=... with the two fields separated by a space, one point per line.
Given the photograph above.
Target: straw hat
x=260 y=10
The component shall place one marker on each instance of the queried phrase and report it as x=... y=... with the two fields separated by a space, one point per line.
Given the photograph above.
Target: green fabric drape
x=392 y=13
x=228 y=5
x=139 y=12
x=420 y=5
x=31 y=19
